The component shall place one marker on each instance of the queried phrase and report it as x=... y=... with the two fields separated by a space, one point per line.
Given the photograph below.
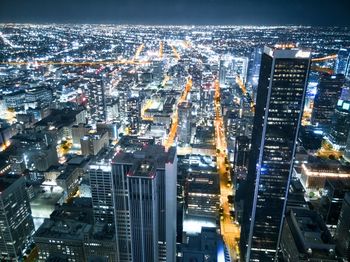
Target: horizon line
x=171 y=24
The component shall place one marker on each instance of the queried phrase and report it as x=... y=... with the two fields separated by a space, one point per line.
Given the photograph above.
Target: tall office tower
x=96 y=100
x=184 y=127
x=343 y=62
x=100 y=173
x=240 y=67
x=166 y=169
x=331 y=203
x=16 y=222
x=137 y=192
x=143 y=199
x=328 y=92
x=222 y=72
x=157 y=70
x=280 y=100
x=342 y=236
x=254 y=67
x=134 y=114
x=339 y=131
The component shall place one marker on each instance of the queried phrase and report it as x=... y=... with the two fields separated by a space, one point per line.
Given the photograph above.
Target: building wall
x=279 y=105
x=16 y=222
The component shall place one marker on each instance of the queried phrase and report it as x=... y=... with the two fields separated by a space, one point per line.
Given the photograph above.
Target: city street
x=229 y=230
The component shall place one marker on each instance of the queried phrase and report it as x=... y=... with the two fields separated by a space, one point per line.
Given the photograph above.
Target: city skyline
x=174 y=143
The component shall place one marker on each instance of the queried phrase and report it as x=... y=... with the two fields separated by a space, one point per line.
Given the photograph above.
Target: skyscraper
x=143 y=198
x=343 y=62
x=133 y=114
x=328 y=92
x=16 y=222
x=184 y=127
x=222 y=73
x=97 y=99
x=339 y=131
x=342 y=235
x=100 y=173
x=137 y=193
x=280 y=99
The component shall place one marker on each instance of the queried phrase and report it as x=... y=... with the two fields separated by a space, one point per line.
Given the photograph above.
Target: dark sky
x=247 y=12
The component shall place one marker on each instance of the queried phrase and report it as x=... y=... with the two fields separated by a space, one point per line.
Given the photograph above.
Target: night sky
x=242 y=12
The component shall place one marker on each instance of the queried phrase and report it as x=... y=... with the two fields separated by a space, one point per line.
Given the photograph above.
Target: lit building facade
x=120 y=185
x=339 y=131
x=184 y=127
x=280 y=100
x=16 y=222
x=328 y=92
x=342 y=236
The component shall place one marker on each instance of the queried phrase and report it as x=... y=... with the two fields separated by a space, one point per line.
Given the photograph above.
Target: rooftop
x=6 y=182
x=63 y=229
x=310 y=232
x=153 y=153
x=143 y=169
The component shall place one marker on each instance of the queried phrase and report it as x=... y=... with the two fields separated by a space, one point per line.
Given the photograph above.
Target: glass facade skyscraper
x=16 y=222
x=328 y=92
x=339 y=131
x=279 y=106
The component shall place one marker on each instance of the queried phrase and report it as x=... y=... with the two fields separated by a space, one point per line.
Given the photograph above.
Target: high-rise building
x=280 y=100
x=143 y=199
x=100 y=173
x=16 y=222
x=342 y=236
x=184 y=127
x=339 y=131
x=254 y=68
x=240 y=67
x=305 y=237
x=134 y=114
x=222 y=72
x=137 y=193
x=343 y=62
x=331 y=204
x=328 y=92
x=96 y=100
